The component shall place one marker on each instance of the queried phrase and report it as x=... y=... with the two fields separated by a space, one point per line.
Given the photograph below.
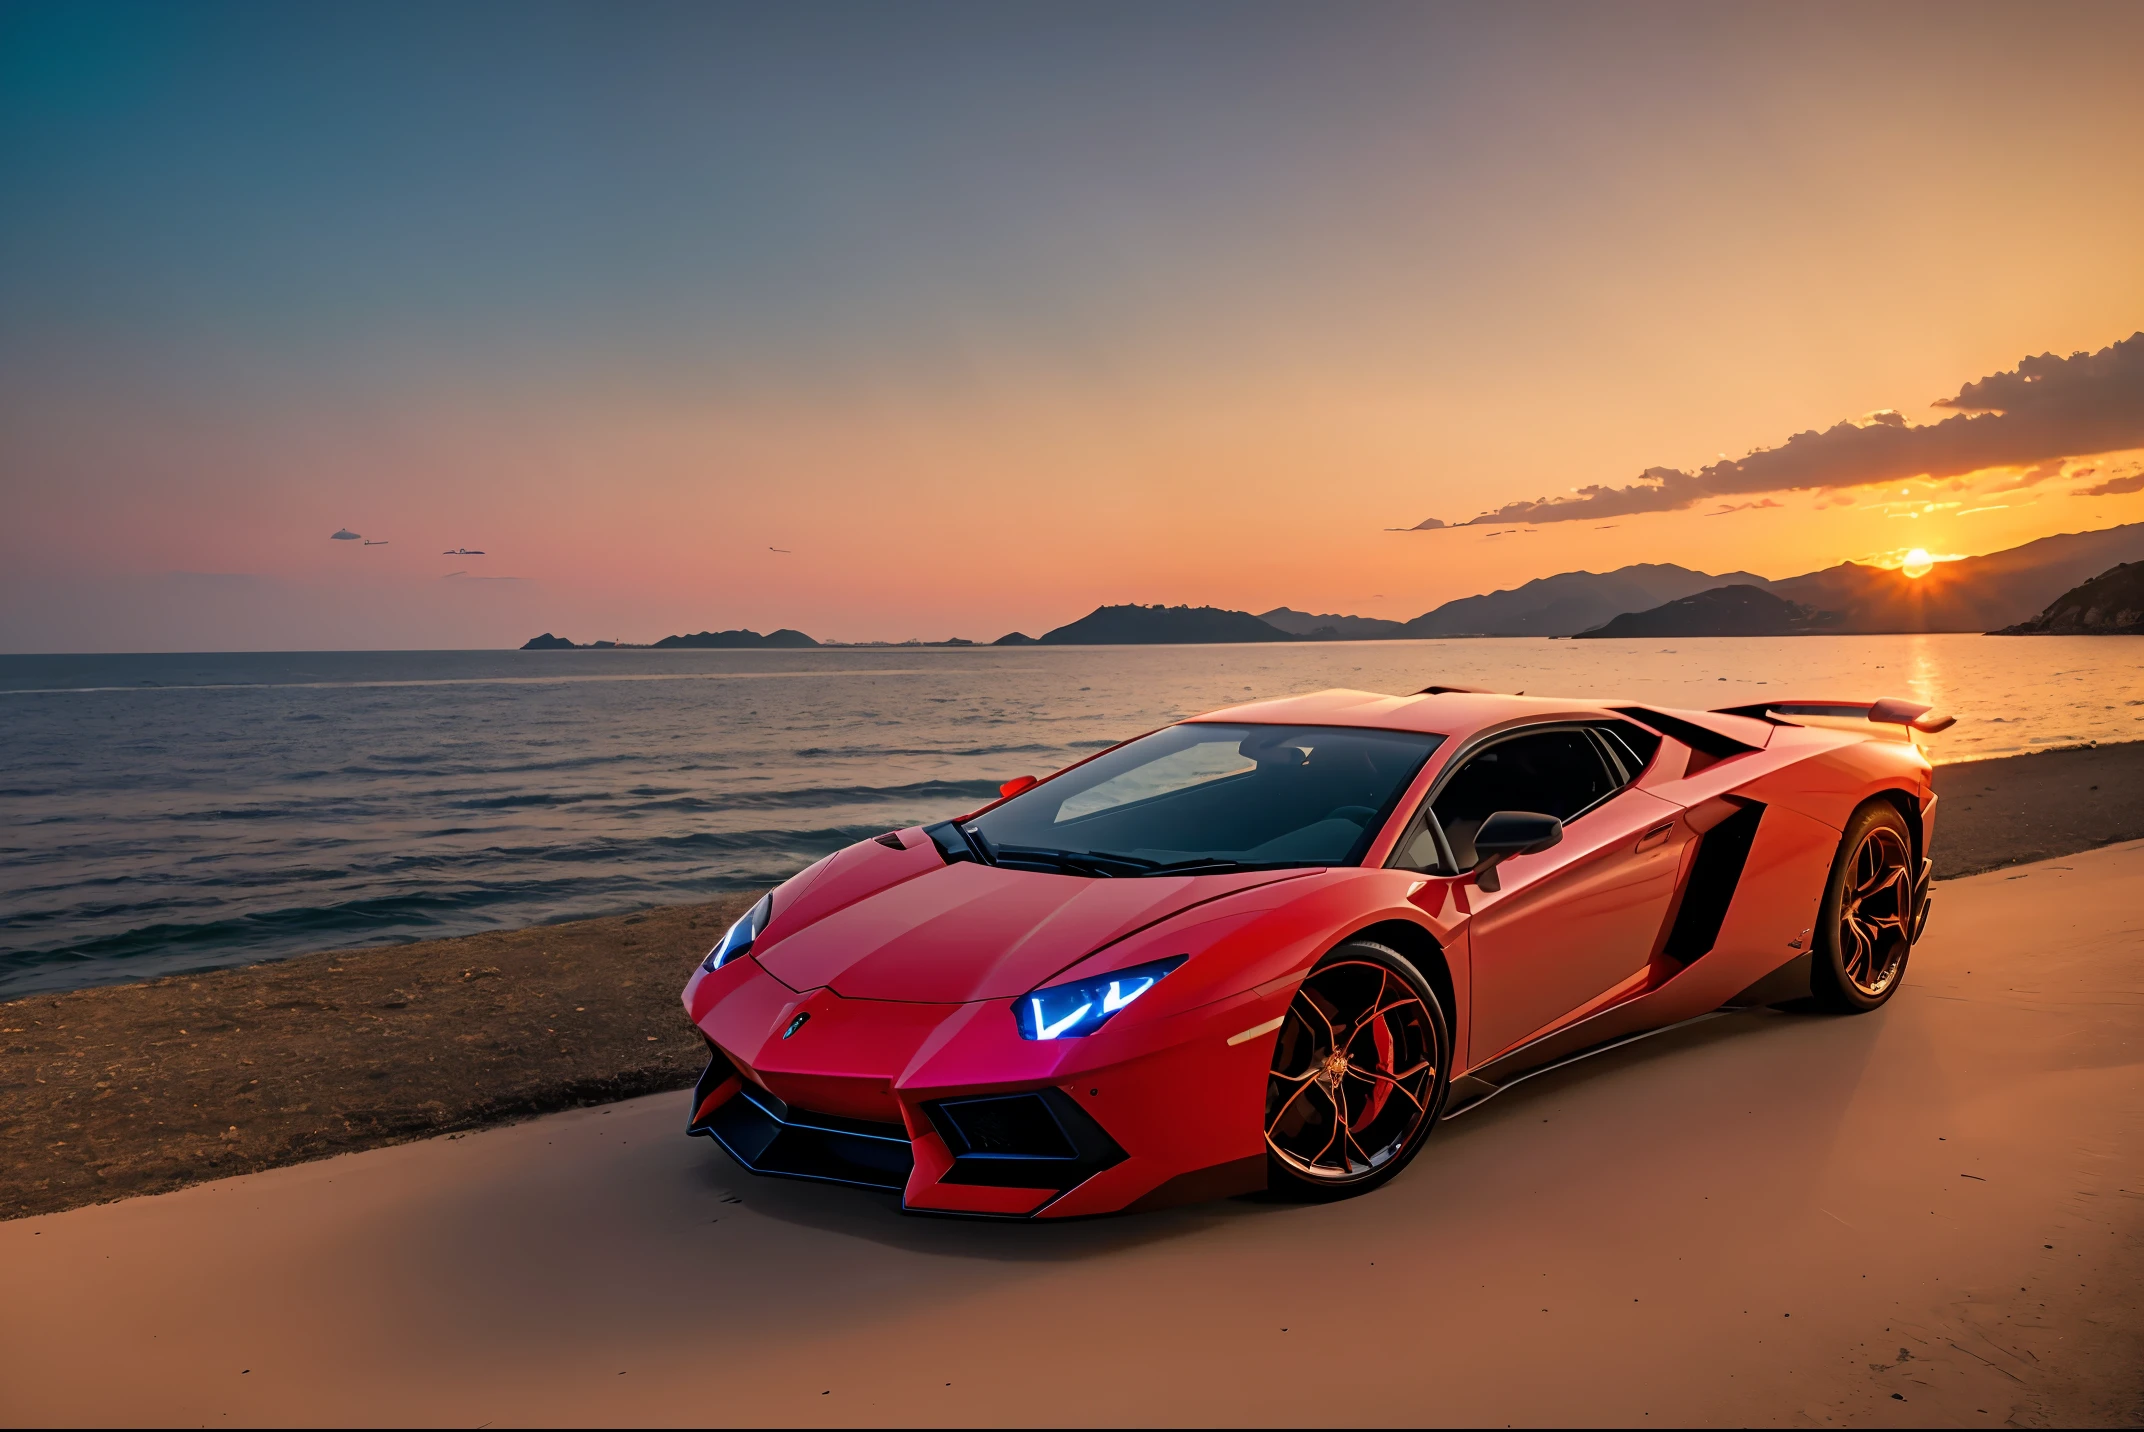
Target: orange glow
x=972 y=350
x=1918 y=563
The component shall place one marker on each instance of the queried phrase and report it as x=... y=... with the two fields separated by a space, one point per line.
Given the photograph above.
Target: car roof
x=1449 y=713
x=1460 y=713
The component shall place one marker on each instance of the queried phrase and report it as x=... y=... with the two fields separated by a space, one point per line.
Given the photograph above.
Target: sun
x=1918 y=563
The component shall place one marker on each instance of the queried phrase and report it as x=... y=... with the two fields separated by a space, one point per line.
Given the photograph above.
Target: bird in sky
x=461 y=552
x=784 y=550
x=382 y=542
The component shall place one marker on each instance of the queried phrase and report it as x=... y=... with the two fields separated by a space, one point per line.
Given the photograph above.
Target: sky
x=985 y=315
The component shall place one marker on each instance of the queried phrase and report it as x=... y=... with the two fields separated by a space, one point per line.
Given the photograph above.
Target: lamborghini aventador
x=1272 y=947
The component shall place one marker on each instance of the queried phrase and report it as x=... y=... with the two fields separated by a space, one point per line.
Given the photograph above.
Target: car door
x=1577 y=920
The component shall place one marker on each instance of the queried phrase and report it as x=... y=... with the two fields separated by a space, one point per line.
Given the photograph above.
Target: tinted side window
x=1633 y=745
x=1556 y=773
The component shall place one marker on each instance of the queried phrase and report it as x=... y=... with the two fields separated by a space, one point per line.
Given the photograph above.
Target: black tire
x=1865 y=929
x=1365 y=1037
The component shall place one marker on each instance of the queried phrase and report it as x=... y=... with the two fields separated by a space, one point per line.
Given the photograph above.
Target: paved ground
x=1929 y=1216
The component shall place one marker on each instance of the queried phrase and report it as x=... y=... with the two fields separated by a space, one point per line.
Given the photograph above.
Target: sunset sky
x=989 y=314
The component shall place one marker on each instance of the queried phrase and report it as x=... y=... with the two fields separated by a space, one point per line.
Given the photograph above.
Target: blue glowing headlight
x=1069 y=1011
x=737 y=940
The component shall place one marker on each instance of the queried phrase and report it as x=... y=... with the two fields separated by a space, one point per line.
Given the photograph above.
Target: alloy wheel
x=1876 y=912
x=1355 y=1071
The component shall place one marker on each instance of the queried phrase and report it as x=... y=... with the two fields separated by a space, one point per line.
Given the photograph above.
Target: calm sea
x=165 y=813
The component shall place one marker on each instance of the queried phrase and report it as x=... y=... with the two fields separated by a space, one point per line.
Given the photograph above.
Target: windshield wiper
x=1216 y=865
x=1108 y=864
x=1080 y=862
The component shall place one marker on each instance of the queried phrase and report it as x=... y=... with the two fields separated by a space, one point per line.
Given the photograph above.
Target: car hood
x=965 y=932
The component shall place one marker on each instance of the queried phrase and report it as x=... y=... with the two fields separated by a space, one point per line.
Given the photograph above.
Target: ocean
x=170 y=813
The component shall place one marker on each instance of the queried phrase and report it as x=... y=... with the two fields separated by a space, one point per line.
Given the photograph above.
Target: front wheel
x=1865 y=929
x=1360 y=1069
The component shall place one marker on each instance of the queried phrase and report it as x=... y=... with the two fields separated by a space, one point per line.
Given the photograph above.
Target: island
x=719 y=640
x=1134 y=625
x=2110 y=604
x=785 y=636
x=1723 y=611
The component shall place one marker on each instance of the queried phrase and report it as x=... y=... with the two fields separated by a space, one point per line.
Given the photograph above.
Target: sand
x=145 y=1088
x=2036 y=807
x=149 y=1087
x=1933 y=1215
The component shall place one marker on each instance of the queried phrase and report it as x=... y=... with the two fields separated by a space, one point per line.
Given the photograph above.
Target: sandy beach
x=1928 y=1216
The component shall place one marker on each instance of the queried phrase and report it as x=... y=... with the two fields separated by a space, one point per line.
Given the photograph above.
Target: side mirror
x=1016 y=785
x=1509 y=833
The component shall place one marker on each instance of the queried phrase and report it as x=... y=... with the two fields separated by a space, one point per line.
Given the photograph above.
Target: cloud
x=2134 y=482
x=2032 y=477
x=1727 y=507
x=1427 y=524
x=2033 y=416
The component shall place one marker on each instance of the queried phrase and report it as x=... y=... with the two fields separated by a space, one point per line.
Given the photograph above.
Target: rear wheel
x=1360 y=1069
x=1865 y=930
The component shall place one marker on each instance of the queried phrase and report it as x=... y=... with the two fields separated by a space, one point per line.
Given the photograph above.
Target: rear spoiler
x=1891 y=711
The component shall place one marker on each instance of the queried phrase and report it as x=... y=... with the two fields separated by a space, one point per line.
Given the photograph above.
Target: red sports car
x=1271 y=947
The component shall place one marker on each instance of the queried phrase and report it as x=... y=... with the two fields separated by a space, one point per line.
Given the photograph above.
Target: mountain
x=2111 y=604
x=1971 y=594
x=1570 y=602
x=2001 y=589
x=1723 y=611
x=1015 y=638
x=1134 y=625
x=726 y=639
x=1332 y=628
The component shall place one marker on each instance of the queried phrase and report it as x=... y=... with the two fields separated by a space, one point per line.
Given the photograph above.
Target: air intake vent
x=1038 y=1140
x=1721 y=853
x=1019 y=1125
x=1708 y=747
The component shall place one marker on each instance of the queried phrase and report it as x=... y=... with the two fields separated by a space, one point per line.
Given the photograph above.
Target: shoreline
x=132 y=1089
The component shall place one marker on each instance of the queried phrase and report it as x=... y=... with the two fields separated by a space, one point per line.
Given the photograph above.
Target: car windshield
x=1205 y=796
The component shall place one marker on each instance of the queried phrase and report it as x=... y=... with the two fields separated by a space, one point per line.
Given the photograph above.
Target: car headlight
x=1071 y=1011
x=737 y=940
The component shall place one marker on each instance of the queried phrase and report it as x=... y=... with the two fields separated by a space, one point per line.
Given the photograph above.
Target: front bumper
x=762 y=1132
x=1039 y=1141
x=947 y=1105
